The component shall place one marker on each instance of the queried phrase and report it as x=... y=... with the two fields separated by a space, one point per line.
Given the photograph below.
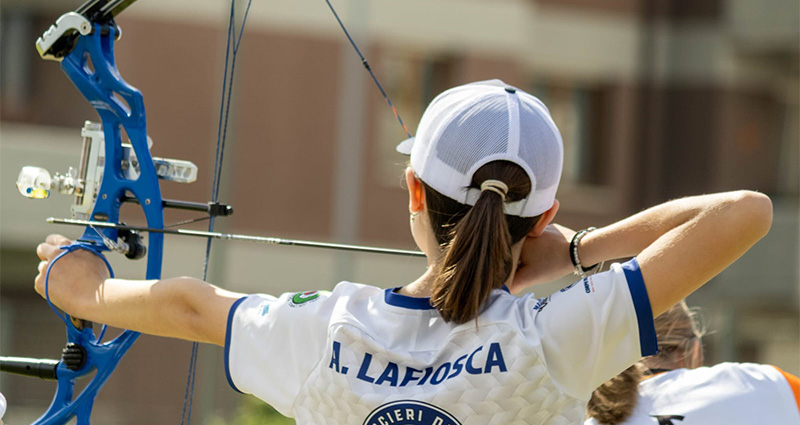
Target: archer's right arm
x=594 y=330
x=183 y=307
x=681 y=244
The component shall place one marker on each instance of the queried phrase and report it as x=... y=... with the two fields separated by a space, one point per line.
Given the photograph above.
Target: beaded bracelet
x=573 y=254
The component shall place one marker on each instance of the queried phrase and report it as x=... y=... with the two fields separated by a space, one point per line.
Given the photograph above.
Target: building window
x=582 y=115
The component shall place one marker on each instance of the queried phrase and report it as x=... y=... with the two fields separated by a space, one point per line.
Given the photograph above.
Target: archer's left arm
x=183 y=307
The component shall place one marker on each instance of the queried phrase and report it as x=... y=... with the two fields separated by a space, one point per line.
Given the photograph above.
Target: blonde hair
x=679 y=345
x=679 y=332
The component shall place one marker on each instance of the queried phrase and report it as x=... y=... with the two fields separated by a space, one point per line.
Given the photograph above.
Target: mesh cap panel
x=538 y=150
x=465 y=141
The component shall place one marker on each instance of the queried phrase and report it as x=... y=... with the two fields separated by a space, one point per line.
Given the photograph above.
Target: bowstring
x=368 y=68
x=231 y=50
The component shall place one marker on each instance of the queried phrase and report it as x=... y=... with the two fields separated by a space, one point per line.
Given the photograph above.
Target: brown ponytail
x=476 y=241
x=678 y=334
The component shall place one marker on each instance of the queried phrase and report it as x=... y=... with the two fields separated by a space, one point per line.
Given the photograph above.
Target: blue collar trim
x=398 y=300
x=391 y=297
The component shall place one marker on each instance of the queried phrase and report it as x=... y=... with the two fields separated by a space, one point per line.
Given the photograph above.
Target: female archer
x=672 y=387
x=454 y=346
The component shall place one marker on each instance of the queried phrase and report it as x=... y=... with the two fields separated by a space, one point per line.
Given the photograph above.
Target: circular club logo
x=409 y=412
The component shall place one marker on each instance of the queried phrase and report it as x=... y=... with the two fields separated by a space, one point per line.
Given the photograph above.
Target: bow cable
x=368 y=68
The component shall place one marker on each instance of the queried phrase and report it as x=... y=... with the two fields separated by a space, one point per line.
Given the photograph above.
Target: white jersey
x=728 y=393
x=365 y=355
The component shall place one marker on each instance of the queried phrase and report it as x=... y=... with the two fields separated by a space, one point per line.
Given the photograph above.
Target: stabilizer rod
x=37 y=368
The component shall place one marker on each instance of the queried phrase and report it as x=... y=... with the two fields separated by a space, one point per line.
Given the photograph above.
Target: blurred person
x=454 y=346
x=672 y=387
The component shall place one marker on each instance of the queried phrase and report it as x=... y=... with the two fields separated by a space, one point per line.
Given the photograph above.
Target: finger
x=38 y=284
x=57 y=240
x=47 y=251
x=43 y=266
x=40 y=251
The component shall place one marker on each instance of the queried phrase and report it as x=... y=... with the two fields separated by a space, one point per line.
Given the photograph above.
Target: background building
x=655 y=99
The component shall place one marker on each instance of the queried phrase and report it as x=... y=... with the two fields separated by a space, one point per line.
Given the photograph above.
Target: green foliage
x=252 y=411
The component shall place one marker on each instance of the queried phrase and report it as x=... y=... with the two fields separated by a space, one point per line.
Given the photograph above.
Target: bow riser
x=103 y=87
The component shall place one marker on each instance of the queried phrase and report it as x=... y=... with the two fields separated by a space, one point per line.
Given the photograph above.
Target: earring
x=413 y=215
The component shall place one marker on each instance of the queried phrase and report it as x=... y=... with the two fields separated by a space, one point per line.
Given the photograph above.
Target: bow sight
x=37 y=183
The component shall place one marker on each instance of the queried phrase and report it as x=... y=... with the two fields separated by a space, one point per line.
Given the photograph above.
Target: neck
x=423 y=286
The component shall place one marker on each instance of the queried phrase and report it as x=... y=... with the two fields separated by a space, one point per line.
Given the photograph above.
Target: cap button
x=511 y=89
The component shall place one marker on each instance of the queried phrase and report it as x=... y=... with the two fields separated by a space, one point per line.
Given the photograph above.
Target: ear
x=545 y=220
x=416 y=192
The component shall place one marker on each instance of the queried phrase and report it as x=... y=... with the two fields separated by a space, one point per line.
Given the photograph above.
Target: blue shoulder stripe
x=641 y=303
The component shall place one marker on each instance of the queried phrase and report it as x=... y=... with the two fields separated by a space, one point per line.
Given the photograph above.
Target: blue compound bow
x=114 y=171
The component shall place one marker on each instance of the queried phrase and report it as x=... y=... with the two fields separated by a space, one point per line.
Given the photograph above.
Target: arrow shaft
x=238 y=237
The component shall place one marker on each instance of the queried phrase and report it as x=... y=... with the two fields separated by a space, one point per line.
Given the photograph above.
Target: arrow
x=236 y=237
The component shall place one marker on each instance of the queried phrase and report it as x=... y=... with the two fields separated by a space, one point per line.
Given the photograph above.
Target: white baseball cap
x=468 y=126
